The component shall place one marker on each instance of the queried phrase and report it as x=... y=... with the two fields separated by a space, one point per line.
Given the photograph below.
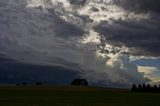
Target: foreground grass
x=74 y=96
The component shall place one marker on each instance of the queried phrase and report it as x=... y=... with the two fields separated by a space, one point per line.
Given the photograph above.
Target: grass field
x=74 y=96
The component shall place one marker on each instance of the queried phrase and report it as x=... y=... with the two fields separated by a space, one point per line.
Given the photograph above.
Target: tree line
x=146 y=88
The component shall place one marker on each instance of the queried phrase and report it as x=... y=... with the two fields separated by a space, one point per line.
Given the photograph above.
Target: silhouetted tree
x=24 y=83
x=140 y=88
x=144 y=88
x=159 y=88
x=155 y=88
x=134 y=88
x=39 y=83
x=148 y=88
x=82 y=82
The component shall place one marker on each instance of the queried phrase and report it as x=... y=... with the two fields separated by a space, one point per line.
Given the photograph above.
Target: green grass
x=74 y=96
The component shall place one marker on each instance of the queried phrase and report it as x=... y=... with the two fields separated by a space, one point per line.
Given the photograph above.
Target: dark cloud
x=62 y=28
x=37 y=34
x=140 y=5
x=14 y=72
x=12 y=16
x=142 y=36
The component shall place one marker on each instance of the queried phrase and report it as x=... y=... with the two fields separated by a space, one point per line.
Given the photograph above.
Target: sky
x=112 y=43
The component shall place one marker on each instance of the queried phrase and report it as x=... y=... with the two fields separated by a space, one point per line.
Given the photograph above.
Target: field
x=74 y=96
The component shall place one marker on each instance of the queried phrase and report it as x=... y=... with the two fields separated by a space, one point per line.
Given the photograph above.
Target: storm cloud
x=97 y=45
x=131 y=33
x=140 y=35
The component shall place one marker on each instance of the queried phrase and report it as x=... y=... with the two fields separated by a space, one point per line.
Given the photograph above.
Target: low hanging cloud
x=49 y=32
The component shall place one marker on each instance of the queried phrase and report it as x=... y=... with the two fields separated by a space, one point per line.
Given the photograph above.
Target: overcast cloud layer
x=94 y=37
